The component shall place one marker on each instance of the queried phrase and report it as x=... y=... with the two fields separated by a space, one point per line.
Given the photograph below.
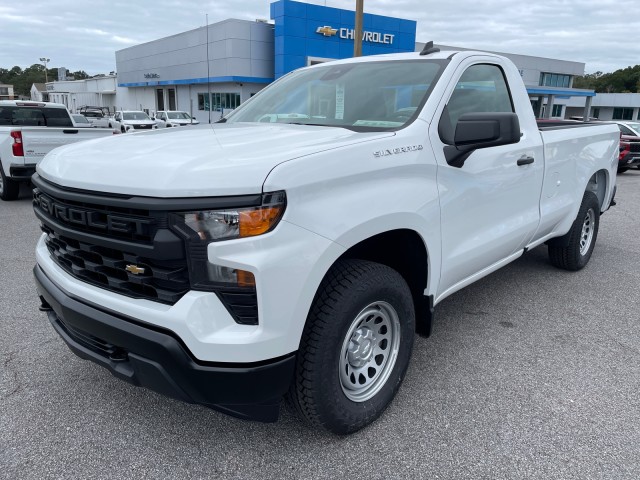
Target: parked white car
x=130 y=120
x=174 y=118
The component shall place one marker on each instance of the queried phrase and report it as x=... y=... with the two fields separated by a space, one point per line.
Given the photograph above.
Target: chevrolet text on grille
x=90 y=218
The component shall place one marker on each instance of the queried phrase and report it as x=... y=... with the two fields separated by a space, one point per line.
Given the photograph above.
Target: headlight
x=216 y=225
x=236 y=288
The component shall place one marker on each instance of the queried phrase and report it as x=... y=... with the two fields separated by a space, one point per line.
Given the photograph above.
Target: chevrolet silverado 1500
x=294 y=249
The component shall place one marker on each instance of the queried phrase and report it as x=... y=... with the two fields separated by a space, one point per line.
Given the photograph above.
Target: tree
x=624 y=80
x=80 y=75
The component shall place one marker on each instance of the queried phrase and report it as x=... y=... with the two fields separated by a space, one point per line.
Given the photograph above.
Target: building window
x=596 y=113
x=4 y=90
x=557 y=111
x=219 y=101
x=620 y=113
x=203 y=101
x=159 y=99
x=555 y=80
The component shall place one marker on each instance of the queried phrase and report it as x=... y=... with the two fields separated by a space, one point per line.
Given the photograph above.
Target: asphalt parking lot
x=531 y=373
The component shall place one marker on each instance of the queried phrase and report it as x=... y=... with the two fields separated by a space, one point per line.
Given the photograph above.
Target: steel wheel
x=369 y=351
x=587 y=232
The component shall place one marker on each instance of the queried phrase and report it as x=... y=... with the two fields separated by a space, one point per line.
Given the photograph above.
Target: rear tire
x=9 y=189
x=582 y=237
x=355 y=347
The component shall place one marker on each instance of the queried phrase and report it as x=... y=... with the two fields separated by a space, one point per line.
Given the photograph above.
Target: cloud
x=11 y=18
x=75 y=34
x=88 y=31
x=124 y=40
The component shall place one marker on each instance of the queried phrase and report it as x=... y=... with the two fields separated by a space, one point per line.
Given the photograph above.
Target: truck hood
x=225 y=159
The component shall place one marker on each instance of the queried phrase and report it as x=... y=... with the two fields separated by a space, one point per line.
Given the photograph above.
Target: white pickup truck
x=294 y=249
x=131 y=120
x=28 y=131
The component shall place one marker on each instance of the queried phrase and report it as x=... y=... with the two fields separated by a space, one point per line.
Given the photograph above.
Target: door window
x=481 y=88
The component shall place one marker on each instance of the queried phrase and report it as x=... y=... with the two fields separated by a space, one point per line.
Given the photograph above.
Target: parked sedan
x=174 y=118
x=80 y=121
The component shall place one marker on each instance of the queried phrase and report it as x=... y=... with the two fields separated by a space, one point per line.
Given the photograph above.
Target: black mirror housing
x=481 y=130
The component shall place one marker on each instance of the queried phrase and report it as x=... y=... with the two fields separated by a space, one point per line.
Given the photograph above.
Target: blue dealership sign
x=304 y=32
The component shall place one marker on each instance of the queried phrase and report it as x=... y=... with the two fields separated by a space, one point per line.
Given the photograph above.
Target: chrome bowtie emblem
x=136 y=270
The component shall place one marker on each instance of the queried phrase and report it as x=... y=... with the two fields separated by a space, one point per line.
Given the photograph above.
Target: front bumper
x=155 y=358
x=631 y=159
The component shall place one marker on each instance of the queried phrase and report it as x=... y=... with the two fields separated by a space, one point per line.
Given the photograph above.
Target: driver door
x=490 y=205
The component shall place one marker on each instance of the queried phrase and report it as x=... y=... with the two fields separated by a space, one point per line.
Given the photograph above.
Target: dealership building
x=213 y=69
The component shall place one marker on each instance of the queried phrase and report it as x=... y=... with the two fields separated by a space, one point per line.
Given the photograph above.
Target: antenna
x=429 y=48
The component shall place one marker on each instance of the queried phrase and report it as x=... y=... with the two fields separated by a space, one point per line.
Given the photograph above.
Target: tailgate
x=38 y=141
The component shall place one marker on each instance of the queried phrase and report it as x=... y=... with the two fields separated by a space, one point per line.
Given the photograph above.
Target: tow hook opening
x=44 y=306
x=119 y=355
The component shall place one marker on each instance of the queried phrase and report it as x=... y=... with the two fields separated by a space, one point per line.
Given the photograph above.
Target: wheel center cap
x=361 y=347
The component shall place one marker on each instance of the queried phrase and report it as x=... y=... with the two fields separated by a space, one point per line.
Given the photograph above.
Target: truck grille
x=103 y=240
x=125 y=223
x=115 y=270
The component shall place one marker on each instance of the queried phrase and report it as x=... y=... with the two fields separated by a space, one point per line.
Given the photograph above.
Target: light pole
x=357 y=40
x=44 y=61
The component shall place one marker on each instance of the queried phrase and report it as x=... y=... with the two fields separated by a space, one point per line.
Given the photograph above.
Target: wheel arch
x=405 y=251
x=598 y=184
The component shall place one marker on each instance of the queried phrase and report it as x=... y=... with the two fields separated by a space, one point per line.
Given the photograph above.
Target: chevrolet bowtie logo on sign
x=327 y=31
x=136 y=270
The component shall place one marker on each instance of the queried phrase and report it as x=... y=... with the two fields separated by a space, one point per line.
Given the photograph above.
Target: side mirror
x=481 y=130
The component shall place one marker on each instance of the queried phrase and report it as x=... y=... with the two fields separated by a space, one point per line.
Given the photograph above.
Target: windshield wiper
x=315 y=124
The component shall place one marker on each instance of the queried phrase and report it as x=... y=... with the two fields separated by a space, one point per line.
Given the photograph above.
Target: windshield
x=135 y=116
x=634 y=126
x=179 y=115
x=360 y=96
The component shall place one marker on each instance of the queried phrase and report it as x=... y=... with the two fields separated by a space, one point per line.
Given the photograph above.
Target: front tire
x=581 y=238
x=9 y=188
x=355 y=347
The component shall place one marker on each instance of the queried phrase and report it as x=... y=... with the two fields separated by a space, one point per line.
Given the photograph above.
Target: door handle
x=525 y=160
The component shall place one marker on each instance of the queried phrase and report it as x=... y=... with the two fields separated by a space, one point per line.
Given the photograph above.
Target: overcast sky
x=78 y=34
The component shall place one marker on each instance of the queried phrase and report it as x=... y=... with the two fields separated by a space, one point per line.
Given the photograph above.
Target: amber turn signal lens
x=258 y=221
x=245 y=279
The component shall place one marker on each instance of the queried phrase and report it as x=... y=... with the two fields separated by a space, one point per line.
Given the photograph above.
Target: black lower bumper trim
x=19 y=172
x=156 y=360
